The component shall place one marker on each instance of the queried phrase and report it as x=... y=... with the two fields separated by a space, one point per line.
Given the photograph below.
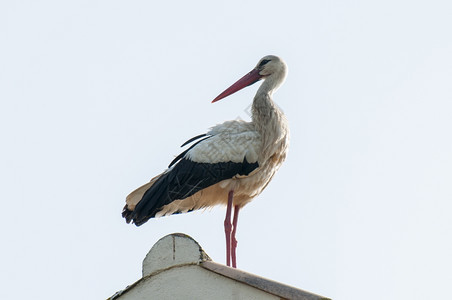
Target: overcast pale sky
x=97 y=96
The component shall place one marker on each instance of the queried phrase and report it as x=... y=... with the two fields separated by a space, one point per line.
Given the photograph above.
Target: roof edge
x=264 y=284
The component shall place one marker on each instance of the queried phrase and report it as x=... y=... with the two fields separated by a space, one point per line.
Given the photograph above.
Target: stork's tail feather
x=127 y=214
x=133 y=199
x=130 y=216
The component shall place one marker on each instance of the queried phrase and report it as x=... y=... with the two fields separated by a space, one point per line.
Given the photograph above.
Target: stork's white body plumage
x=231 y=164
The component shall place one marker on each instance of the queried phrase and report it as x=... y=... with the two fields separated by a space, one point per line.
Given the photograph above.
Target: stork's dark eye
x=263 y=62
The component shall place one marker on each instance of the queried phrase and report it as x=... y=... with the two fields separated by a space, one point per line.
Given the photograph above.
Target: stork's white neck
x=271 y=83
x=264 y=111
x=267 y=117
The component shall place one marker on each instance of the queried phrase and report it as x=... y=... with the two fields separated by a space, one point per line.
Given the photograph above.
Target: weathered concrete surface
x=172 y=250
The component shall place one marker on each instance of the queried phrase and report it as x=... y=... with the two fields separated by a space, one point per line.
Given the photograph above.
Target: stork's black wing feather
x=183 y=180
x=194 y=139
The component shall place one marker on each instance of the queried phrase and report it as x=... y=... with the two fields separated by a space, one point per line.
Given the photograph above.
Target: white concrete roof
x=177 y=268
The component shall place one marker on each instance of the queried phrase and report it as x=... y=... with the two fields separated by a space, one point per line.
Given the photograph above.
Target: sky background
x=97 y=96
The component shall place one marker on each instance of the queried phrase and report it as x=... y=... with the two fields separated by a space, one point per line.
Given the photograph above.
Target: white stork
x=231 y=164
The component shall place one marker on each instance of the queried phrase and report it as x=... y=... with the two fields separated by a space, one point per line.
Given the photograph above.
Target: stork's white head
x=271 y=64
x=271 y=67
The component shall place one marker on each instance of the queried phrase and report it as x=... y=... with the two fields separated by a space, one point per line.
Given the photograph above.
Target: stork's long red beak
x=248 y=79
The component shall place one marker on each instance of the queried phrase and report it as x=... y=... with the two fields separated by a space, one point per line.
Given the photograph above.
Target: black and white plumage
x=231 y=164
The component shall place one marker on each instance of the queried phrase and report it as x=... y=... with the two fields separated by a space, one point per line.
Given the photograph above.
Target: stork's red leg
x=233 y=239
x=228 y=228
